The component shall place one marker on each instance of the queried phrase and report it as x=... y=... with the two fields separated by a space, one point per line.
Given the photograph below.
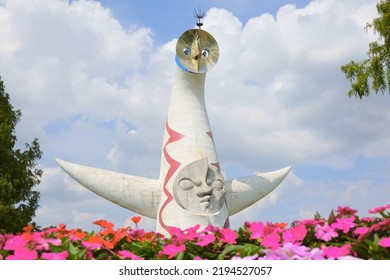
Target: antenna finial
x=199 y=14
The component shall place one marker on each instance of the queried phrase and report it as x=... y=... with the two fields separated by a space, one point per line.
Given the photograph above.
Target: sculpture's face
x=197 y=50
x=200 y=188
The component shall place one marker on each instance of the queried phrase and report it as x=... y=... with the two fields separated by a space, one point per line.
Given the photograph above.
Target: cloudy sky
x=93 y=82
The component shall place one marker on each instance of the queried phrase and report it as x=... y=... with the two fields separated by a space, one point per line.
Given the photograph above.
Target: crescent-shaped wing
x=138 y=194
x=243 y=192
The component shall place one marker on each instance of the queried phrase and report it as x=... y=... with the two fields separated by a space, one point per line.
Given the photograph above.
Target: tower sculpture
x=191 y=188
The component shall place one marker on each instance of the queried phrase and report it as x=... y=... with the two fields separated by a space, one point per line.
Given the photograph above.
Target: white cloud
x=69 y=59
x=285 y=100
x=96 y=93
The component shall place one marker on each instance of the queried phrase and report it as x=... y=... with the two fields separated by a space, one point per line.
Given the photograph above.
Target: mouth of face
x=205 y=199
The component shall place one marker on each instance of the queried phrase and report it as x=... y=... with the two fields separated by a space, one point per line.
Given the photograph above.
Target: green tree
x=18 y=171
x=374 y=71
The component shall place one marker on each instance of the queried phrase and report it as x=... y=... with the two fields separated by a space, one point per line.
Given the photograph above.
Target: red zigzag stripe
x=173 y=166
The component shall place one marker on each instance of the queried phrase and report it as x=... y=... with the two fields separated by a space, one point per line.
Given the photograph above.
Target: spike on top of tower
x=199 y=14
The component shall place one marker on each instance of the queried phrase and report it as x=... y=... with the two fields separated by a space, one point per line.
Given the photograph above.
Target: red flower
x=136 y=219
x=281 y=225
x=103 y=224
x=100 y=241
x=107 y=227
x=28 y=228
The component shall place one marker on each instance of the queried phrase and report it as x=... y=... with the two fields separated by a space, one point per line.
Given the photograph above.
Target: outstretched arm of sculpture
x=138 y=194
x=243 y=192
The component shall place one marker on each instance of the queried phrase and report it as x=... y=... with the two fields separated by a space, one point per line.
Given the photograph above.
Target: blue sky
x=166 y=17
x=93 y=82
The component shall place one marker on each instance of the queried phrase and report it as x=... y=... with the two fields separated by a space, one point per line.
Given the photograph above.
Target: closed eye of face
x=187 y=184
x=213 y=181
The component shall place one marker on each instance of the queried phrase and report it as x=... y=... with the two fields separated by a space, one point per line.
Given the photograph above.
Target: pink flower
x=187 y=234
x=191 y=233
x=271 y=240
x=41 y=244
x=55 y=242
x=379 y=209
x=15 y=243
x=346 y=211
x=228 y=235
x=361 y=232
x=325 y=232
x=256 y=230
x=344 y=224
x=302 y=252
x=18 y=245
x=23 y=254
x=291 y=251
x=210 y=228
x=128 y=255
x=309 y=222
x=334 y=252
x=136 y=234
x=384 y=242
x=91 y=246
x=176 y=233
x=171 y=250
x=367 y=219
x=55 y=256
x=382 y=225
x=205 y=240
x=295 y=234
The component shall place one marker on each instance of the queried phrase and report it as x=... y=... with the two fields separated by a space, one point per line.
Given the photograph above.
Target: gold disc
x=197 y=50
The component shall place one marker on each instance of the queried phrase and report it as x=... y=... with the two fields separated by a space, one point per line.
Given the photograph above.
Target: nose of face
x=204 y=190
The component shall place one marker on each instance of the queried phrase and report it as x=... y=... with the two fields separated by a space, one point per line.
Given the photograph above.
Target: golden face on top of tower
x=197 y=51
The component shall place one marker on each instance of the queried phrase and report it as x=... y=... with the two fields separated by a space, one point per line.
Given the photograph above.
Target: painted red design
x=173 y=166
x=211 y=135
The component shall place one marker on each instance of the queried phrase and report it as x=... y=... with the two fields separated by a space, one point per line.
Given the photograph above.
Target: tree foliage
x=374 y=71
x=18 y=171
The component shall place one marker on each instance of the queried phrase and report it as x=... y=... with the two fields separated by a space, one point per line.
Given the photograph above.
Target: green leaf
x=373 y=72
x=75 y=253
x=244 y=250
x=180 y=256
x=331 y=218
x=55 y=249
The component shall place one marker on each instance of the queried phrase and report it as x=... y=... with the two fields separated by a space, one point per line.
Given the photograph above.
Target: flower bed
x=344 y=235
